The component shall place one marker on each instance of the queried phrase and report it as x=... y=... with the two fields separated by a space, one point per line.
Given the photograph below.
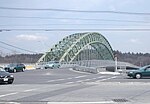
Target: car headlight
x=50 y=65
x=130 y=72
x=11 y=76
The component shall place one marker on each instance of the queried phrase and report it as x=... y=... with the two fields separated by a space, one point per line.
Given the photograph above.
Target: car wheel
x=52 y=67
x=138 y=76
x=14 y=70
x=10 y=81
x=23 y=70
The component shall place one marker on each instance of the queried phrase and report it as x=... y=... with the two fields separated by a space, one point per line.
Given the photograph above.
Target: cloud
x=134 y=41
x=31 y=37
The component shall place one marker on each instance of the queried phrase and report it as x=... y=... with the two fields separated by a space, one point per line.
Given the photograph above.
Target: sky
x=42 y=41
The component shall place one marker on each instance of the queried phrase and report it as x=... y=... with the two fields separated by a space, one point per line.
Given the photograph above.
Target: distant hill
x=139 y=59
x=20 y=58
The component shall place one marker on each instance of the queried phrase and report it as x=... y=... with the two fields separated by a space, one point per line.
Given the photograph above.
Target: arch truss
x=80 y=46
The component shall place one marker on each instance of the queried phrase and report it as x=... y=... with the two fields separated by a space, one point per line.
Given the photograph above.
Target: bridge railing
x=93 y=66
x=96 y=66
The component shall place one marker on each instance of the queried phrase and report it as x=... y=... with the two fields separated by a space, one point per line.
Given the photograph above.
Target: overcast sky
x=41 y=41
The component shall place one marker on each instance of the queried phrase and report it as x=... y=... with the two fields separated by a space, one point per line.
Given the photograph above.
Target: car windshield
x=11 y=65
x=144 y=67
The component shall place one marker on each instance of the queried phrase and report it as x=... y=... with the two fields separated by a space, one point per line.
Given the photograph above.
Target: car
x=140 y=73
x=5 y=77
x=15 y=67
x=52 y=65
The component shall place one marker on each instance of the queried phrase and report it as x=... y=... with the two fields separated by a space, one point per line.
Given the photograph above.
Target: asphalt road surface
x=66 y=86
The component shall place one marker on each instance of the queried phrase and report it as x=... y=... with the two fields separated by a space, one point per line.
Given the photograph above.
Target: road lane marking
x=69 y=78
x=89 y=79
x=55 y=80
x=69 y=82
x=101 y=76
x=85 y=80
x=47 y=74
x=29 y=90
x=81 y=76
x=14 y=93
x=106 y=79
x=94 y=78
x=78 y=78
x=8 y=94
x=66 y=78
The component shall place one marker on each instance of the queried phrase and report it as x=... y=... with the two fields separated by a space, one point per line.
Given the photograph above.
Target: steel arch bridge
x=80 y=46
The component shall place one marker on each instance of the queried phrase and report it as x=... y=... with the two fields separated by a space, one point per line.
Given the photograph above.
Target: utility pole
x=116 y=63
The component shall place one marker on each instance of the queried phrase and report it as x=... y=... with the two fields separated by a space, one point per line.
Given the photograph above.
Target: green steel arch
x=71 y=46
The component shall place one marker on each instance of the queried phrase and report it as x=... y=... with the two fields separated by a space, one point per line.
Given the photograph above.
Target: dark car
x=5 y=77
x=15 y=67
x=141 y=72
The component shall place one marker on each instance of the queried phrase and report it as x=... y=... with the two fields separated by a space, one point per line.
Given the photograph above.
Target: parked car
x=141 y=72
x=5 y=77
x=15 y=67
x=52 y=65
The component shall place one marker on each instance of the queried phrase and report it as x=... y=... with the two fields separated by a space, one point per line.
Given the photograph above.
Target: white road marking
x=48 y=74
x=101 y=76
x=69 y=78
x=81 y=76
x=84 y=80
x=87 y=79
x=100 y=102
x=79 y=81
x=90 y=79
x=66 y=78
x=106 y=79
x=29 y=90
x=8 y=94
x=55 y=80
x=69 y=82
x=94 y=78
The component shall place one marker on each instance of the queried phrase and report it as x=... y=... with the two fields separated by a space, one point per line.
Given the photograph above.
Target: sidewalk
x=112 y=73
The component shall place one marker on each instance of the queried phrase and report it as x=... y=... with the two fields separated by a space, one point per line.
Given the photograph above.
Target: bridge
x=90 y=49
x=80 y=46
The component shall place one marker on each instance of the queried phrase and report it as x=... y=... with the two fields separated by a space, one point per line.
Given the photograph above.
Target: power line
x=98 y=29
x=85 y=19
x=8 y=49
x=17 y=47
x=73 y=24
x=73 y=10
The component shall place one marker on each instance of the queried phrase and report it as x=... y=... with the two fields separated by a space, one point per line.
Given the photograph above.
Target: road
x=66 y=86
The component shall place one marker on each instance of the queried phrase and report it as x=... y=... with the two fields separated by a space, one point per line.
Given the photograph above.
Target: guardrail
x=85 y=69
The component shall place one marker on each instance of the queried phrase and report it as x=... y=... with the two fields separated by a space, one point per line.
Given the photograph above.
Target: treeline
x=20 y=58
x=139 y=59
